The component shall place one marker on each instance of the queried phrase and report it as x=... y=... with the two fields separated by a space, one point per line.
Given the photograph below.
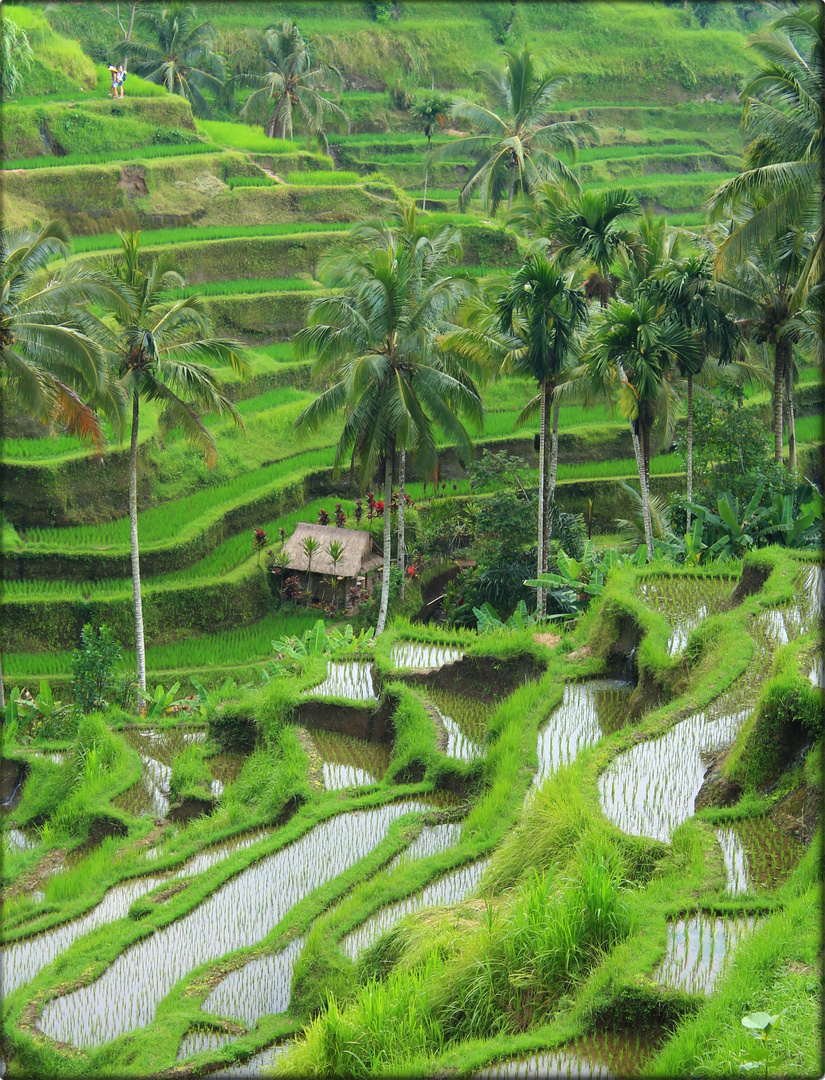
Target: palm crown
x=180 y=55
x=517 y=141
x=293 y=84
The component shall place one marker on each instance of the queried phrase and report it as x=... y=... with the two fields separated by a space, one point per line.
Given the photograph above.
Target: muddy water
x=350 y=762
x=685 y=603
x=260 y=987
x=588 y=710
x=238 y=915
x=351 y=680
x=697 y=949
x=545 y=1063
x=158 y=747
x=422 y=655
x=449 y=889
x=199 y=1040
x=256 y=1066
x=23 y=959
x=758 y=855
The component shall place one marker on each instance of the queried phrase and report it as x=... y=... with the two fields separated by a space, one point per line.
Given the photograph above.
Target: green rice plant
x=41 y=449
x=190 y=774
x=186 y=234
x=143 y=153
x=250 y=181
x=244 y=137
x=323 y=179
x=240 y=287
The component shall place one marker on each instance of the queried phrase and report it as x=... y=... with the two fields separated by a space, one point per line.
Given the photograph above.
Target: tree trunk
x=778 y=374
x=541 y=596
x=689 y=445
x=546 y=473
x=426 y=174
x=2 y=687
x=554 y=451
x=402 y=548
x=791 y=420
x=511 y=187
x=385 y=578
x=133 y=535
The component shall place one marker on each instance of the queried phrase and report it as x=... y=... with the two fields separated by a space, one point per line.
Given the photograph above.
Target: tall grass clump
x=244 y=137
x=190 y=774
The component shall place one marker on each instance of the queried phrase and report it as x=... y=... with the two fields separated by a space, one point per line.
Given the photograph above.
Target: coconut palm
x=375 y=339
x=52 y=349
x=634 y=347
x=781 y=184
x=764 y=291
x=428 y=112
x=164 y=349
x=516 y=142
x=293 y=84
x=549 y=314
x=178 y=53
x=692 y=299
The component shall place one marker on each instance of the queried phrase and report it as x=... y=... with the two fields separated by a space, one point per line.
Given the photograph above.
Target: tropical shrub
x=93 y=668
x=294 y=651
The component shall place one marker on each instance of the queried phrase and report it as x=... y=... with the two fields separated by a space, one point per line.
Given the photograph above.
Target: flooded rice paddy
x=350 y=762
x=237 y=916
x=352 y=680
x=606 y=1054
x=17 y=840
x=199 y=1040
x=260 y=987
x=449 y=889
x=758 y=855
x=158 y=747
x=431 y=839
x=465 y=720
x=545 y=1064
x=685 y=602
x=697 y=949
x=587 y=711
x=422 y=655
x=256 y=1066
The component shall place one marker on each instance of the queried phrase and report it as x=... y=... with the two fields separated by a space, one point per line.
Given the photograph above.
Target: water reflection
x=260 y=987
x=423 y=655
x=351 y=680
x=697 y=949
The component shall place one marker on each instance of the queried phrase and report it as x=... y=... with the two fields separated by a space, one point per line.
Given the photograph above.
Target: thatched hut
x=357 y=565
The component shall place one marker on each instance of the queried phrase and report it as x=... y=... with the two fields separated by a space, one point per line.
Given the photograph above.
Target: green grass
x=232 y=648
x=242 y=286
x=244 y=137
x=251 y=181
x=142 y=153
x=323 y=179
x=660 y=465
x=186 y=235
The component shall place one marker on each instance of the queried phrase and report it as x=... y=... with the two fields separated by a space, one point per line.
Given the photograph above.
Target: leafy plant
x=521 y=619
x=760 y=1025
x=316 y=642
x=212 y=697
x=42 y=716
x=164 y=701
x=259 y=542
x=93 y=668
x=579 y=579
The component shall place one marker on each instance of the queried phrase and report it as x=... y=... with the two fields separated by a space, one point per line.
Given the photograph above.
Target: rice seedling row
x=238 y=915
x=412 y=654
x=141 y=153
x=697 y=949
x=257 y=1065
x=563 y=1065
x=352 y=680
x=190 y=233
x=685 y=602
x=201 y=1040
x=758 y=855
x=241 y=286
x=450 y=888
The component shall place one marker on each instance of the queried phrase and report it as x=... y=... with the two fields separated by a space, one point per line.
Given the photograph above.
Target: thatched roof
x=357 y=560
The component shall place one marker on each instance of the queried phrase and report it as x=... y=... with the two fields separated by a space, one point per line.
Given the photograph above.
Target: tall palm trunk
x=385 y=578
x=2 y=688
x=791 y=420
x=554 y=451
x=426 y=173
x=645 y=492
x=402 y=491
x=689 y=444
x=778 y=375
x=135 y=550
x=546 y=473
x=541 y=596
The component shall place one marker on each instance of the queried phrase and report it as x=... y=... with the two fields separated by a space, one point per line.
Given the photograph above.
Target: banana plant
x=579 y=579
x=212 y=697
x=488 y=619
x=733 y=535
x=41 y=715
x=318 y=641
x=789 y=528
x=164 y=701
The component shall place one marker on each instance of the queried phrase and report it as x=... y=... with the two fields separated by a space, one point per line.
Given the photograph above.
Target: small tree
x=310 y=546
x=427 y=113
x=93 y=668
x=335 y=550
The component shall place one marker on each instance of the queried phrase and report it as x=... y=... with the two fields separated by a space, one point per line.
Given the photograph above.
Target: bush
x=93 y=668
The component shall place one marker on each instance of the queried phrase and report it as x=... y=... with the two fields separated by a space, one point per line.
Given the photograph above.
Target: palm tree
x=691 y=298
x=164 y=348
x=293 y=83
x=310 y=546
x=427 y=113
x=764 y=291
x=179 y=55
x=781 y=185
x=375 y=338
x=516 y=142
x=637 y=344
x=549 y=314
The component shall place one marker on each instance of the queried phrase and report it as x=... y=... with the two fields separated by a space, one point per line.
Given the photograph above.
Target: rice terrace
x=412 y=493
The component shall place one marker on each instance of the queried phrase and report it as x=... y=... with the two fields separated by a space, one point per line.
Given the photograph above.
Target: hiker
x=121 y=79
x=113 y=70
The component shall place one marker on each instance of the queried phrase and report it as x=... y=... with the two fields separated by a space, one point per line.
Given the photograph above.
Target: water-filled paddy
x=259 y=987
x=254 y=1067
x=423 y=655
x=350 y=762
x=238 y=915
x=697 y=949
x=685 y=602
x=353 y=680
x=758 y=854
